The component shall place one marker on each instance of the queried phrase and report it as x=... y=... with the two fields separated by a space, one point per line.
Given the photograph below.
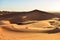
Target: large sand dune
x=6 y=34
x=9 y=31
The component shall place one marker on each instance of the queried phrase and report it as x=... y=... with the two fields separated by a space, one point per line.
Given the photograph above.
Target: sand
x=11 y=35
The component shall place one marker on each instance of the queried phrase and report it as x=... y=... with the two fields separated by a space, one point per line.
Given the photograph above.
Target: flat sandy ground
x=10 y=35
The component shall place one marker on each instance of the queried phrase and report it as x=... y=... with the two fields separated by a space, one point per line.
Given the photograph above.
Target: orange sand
x=10 y=35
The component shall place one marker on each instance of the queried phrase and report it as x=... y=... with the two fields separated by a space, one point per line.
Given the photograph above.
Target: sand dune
x=44 y=21
x=30 y=27
x=25 y=16
x=13 y=35
x=38 y=26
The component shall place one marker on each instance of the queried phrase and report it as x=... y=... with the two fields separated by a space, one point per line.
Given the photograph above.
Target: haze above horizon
x=28 y=5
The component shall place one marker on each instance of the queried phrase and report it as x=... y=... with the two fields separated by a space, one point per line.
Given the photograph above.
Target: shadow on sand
x=56 y=30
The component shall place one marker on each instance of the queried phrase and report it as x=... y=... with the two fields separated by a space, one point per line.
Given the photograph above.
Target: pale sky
x=27 y=5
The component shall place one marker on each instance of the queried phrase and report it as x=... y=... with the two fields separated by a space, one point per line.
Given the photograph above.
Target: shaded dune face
x=24 y=16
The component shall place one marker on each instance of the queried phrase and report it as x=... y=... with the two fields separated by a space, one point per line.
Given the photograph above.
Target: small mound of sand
x=4 y=22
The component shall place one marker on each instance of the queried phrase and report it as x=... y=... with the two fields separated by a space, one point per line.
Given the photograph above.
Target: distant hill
x=24 y=16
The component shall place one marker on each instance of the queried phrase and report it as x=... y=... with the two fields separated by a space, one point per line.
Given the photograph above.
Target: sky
x=28 y=5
